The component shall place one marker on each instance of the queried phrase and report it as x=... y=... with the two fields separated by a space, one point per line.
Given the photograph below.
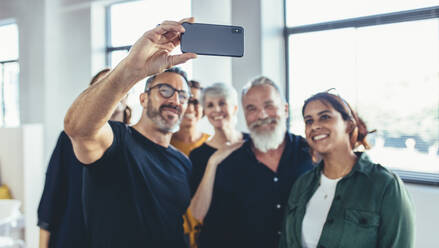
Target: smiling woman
x=347 y=200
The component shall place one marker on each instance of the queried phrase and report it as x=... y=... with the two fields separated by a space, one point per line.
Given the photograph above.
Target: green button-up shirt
x=371 y=208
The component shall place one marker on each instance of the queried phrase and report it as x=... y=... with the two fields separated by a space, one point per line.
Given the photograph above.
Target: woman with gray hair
x=220 y=104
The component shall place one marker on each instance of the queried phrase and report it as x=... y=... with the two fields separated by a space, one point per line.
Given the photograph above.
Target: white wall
x=21 y=168
x=61 y=46
x=426 y=200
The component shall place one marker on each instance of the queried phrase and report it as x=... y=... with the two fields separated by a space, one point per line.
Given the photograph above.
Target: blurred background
x=381 y=56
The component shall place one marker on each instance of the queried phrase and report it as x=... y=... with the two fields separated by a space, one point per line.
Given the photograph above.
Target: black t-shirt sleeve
x=119 y=130
x=53 y=199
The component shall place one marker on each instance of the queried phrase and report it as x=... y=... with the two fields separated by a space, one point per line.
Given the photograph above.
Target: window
x=9 y=69
x=127 y=21
x=386 y=65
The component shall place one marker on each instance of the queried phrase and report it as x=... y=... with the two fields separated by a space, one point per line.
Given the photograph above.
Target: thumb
x=180 y=58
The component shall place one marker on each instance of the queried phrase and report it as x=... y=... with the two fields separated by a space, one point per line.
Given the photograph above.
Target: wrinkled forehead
x=260 y=94
x=171 y=78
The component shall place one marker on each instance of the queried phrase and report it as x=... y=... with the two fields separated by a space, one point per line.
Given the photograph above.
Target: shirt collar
x=361 y=166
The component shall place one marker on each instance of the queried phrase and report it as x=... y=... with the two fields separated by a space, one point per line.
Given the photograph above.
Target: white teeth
x=218 y=118
x=319 y=137
x=189 y=116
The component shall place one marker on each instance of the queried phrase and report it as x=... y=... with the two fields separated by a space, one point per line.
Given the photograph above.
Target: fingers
x=169 y=26
x=189 y=19
x=180 y=58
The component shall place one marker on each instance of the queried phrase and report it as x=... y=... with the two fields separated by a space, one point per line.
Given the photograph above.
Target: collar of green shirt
x=361 y=166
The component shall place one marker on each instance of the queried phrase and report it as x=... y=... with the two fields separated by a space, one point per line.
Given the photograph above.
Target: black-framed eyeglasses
x=167 y=91
x=193 y=101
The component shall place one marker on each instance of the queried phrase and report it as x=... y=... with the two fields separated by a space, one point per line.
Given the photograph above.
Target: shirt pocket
x=360 y=228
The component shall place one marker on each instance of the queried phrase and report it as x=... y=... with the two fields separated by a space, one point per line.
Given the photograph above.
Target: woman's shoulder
x=377 y=173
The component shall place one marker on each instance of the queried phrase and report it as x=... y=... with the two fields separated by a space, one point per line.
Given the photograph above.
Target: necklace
x=328 y=186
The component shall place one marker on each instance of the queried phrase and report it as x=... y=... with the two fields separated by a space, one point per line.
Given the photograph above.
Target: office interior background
x=382 y=56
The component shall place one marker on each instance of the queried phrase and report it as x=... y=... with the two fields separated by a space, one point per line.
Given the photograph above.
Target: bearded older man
x=252 y=184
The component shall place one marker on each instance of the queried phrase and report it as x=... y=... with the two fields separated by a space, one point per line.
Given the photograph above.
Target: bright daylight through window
x=9 y=69
x=386 y=65
x=127 y=21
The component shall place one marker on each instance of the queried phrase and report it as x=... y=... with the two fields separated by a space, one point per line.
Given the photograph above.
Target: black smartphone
x=212 y=39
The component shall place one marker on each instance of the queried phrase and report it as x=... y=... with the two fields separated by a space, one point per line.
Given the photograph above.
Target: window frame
x=108 y=47
x=358 y=22
x=3 y=63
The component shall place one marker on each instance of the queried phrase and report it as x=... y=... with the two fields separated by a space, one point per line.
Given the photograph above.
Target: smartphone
x=211 y=39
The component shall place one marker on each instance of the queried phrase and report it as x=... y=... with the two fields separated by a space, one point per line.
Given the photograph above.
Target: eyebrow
x=319 y=113
x=249 y=106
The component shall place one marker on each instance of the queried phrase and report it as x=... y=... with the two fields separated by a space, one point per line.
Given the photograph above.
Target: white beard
x=269 y=140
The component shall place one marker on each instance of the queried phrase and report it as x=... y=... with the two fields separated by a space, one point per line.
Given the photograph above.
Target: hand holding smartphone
x=211 y=39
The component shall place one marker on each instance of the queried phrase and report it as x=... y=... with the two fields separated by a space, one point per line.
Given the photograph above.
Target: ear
x=143 y=99
x=352 y=130
x=350 y=126
x=287 y=112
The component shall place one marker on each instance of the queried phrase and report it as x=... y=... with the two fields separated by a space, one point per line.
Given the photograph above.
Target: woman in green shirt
x=347 y=200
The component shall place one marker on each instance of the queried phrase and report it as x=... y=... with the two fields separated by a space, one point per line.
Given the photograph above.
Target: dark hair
x=359 y=132
x=177 y=70
x=127 y=115
x=98 y=75
x=194 y=84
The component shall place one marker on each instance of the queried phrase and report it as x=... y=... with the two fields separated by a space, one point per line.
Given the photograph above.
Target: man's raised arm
x=86 y=121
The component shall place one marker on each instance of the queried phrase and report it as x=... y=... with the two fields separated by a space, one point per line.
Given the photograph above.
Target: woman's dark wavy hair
x=359 y=132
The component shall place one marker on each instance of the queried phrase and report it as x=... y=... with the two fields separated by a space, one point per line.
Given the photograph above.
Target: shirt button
x=279 y=232
x=278 y=206
x=275 y=179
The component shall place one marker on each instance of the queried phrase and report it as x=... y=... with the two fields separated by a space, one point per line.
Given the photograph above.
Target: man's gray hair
x=220 y=90
x=261 y=81
x=177 y=70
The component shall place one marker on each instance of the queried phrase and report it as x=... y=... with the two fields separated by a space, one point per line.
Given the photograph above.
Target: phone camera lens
x=236 y=30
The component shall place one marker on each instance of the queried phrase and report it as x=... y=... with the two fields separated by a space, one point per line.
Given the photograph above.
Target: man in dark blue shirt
x=252 y=184
x=135 y=186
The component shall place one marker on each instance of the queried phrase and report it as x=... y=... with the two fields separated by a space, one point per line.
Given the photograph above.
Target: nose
x=315 y=125
x=216 y=108
x=262 y=114
x=174 y=98
x=190 y=108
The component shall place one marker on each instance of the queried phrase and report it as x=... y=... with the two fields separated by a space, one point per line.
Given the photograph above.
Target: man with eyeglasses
x=135 y=185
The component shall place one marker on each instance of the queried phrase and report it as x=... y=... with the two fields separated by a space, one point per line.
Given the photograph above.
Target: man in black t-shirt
x=135 y=186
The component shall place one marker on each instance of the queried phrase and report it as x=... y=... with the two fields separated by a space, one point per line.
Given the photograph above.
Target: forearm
x=94 y=107
x=203 y=197
x=44 y=238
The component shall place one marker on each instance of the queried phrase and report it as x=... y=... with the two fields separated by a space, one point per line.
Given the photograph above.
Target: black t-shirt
x=248 y=200
x=199 y=158
x=137 y=193
x=60 y=209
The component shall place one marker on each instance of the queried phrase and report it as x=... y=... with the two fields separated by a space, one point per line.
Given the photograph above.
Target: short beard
x=268 y=140
x=160 y=122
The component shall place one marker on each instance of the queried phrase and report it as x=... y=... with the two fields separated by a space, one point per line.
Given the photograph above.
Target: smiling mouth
x=218 y=118
x=189 y=116
x=319 y=137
